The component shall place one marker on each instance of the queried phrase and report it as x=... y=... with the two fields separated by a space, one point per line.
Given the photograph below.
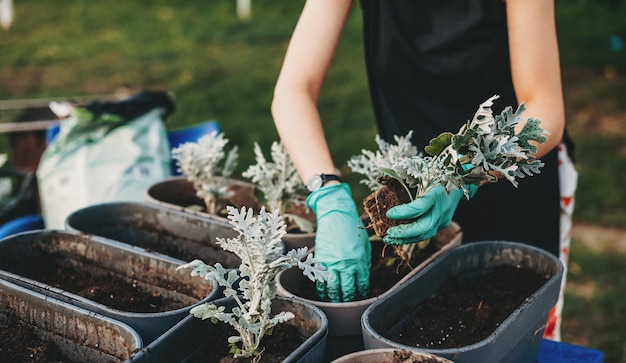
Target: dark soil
x=276 y=347
x=379 y=202
x=138 y=232
x=241 y=195
x=19 y=342
x=469 y=307
x=387 y=269
x=81 y=278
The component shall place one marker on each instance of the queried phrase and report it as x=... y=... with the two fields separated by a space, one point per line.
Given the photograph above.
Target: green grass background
x=221 y=68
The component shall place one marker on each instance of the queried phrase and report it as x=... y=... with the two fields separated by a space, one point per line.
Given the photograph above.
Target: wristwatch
x=317 y=181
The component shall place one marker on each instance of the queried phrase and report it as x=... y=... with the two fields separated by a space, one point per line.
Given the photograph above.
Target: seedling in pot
x=483 y=148
x=282 y=188
x=259 y=246
x=208 y=166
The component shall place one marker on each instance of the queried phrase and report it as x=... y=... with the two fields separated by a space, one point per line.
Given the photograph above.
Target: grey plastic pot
x=390 y=355
x=298 y=240
x=81 y=335
x=184 y=341
x=178 y=236
x=179 y=194
x=516 y=340
x=155 y=274
x=344 y=319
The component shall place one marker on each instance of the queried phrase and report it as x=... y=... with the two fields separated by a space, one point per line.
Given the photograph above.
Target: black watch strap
x=319 y=180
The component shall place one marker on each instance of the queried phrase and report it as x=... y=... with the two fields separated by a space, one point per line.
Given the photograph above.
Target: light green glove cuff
x=341 y=243
x=434 y=212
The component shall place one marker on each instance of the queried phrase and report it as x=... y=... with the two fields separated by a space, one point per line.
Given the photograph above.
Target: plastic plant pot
x=25 y=254
x=184 y=341
x=178 y=236
x=344 y=319
x=517 y=339
x=179 y=194
x=80 y=335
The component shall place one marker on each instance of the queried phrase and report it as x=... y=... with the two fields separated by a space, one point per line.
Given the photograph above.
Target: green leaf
x=392 y=173
x=438 y=144
x=459 y=141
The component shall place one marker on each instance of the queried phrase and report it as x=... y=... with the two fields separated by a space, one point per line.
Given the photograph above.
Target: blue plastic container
x=190 y=134
x=22 y=224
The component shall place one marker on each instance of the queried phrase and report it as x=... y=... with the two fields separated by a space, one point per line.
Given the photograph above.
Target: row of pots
x=116 y=241
x=84 y=336
x=115 y=237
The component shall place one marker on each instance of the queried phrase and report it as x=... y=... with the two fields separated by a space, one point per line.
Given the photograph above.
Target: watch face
x=314 y=183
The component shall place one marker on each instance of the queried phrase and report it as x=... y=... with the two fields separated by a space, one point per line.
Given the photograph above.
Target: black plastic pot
x=153 y=273
x=181 y=237
x=516 y=340
x=81 y=335
x=183 y=342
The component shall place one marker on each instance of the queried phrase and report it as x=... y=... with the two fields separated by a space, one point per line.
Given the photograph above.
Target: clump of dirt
x=405 y=356
x=391 y=194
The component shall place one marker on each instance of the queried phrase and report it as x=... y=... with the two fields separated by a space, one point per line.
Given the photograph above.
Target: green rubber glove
x=434 y=210
x=341 y=244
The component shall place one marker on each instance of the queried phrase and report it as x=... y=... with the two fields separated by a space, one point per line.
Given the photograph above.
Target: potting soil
x=469 y=307
x=84 y=279
x=275 y=347
x=19 y=342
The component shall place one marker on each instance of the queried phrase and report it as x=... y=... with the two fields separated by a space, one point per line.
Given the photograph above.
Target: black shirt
x=430 y=64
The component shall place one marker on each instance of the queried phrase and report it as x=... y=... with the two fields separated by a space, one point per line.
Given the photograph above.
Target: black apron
x=430 y=64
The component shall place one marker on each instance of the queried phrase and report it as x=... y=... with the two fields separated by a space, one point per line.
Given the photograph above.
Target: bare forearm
x=298 y=123
x=294 y=106
x=535 y=65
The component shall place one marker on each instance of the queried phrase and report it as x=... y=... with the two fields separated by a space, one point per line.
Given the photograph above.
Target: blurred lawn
x=221 y=68
x=594 y=313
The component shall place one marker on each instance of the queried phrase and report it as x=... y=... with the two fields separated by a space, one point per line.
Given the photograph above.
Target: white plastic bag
x=100 y=157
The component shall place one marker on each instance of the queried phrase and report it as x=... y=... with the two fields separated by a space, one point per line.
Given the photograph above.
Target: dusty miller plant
x=280 y=183
x=206 y=164
x=260 y=249
x=485 y=145
x=371 y=164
